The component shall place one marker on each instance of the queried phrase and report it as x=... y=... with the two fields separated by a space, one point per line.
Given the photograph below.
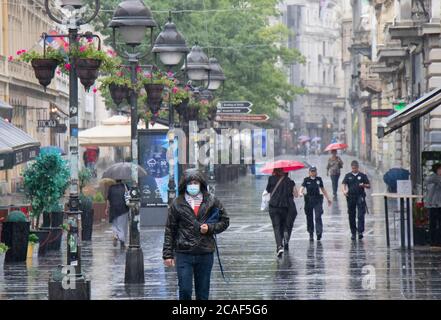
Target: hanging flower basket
x=119 y=93
x=154 y=96
x=87 y=70
x=44 y=70
x=180 y=108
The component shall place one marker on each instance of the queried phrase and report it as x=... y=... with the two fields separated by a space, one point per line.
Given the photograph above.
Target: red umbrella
x=286 y=165
x=336 y=146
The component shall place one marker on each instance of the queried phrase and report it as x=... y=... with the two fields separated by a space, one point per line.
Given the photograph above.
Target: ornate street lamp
x=132 y=18
x=198 y=65
x=171 y=47
x=217 y=76
x=69 y=283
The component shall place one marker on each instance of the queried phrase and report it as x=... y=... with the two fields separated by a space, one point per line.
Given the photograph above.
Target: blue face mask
x=193 y=189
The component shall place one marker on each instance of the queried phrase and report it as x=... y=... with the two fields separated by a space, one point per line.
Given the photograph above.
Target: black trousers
x=435 y=226
x=356 y=203
x=334 y=179
x=279 y=219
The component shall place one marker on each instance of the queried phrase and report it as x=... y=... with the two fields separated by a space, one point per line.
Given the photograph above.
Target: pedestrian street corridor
x=334 y=268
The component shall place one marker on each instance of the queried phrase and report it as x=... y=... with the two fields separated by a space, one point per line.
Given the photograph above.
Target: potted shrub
x=99 y=207
x=3 y=249
x=44 y=64
x=45 y=182
x=15 y=235
x=118 y=86
x=32 y=245
x=87 y=213
x=180 y=97
x=421 y=224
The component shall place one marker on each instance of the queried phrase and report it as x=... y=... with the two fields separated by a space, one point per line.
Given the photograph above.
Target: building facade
x=316 y=33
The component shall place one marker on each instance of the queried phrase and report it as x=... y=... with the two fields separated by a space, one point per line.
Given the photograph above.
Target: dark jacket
x=283 y=197
x=115 y=196
x=182 y=231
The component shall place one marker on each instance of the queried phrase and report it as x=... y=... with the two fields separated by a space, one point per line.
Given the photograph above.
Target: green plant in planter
x=33 y=238
x=3 y=248
x=88 y=50
x=86 y=203
x=98 y=197
x=45 y=182
x=179 y=95
x=84 y=177
x=156 y=77
x=16 y=216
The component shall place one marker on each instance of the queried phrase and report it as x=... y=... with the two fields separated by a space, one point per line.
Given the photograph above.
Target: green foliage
x=178 y=95
x=16 y=216
x=84 y=177
x=65 y=226
x=250 y=50
x=45 y=182
x=90 y=51
x=86 y=203
x=98 y=197
x=51 y=53
x=33 y=238
x=3 y=248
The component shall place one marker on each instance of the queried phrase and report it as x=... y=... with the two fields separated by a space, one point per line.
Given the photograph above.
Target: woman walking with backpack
x=282 y=208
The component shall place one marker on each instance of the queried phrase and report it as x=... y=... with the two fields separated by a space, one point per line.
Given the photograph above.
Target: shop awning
x=415 y=110
x=16 y=146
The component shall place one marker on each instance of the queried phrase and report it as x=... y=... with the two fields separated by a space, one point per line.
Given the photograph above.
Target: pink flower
x=68 y=66
x=58 y=72
x=89 y=40
x=148 y=75
x=204 y=102
x=83 y=48
x=23 y=51
x=119 y=74
x=10 y=58
x=111 y=53
x=95 y=90
x=175 y=90
x=138 y=69
x=18 y=52
x=187 y=88
x=170 y=74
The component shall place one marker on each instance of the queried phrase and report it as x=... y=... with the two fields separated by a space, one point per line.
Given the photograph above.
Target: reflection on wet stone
x=334 y=268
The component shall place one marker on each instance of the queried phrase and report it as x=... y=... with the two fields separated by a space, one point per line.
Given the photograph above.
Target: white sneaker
x=280 y=252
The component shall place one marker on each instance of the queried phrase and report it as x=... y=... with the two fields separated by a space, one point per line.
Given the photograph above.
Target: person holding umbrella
x=433 y=202
x=314 y=202
x=335 y=164
x=353 y=187
x=282 y=208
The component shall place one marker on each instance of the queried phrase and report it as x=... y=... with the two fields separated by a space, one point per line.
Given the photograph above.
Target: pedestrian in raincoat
x=353 y=187
x=314 y=202
x=189 y=239
x=433 y=202
x=335 y=164
x=282 y=208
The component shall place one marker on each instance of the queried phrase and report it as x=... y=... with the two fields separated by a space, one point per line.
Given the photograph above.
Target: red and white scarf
x=194 y=202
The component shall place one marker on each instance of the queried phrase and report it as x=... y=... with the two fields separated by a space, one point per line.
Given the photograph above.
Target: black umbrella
x=122 y=171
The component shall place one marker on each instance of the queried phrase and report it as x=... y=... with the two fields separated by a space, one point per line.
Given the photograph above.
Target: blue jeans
x=200 y=266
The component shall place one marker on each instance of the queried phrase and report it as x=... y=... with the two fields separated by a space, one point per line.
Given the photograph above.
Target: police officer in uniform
x=353 y=187
x=314 y=202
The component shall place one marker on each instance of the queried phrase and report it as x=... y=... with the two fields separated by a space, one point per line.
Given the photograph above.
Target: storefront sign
x=381 y=113
x=47 y=123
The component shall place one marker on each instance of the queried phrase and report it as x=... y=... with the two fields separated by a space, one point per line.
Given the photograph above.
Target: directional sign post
x=244 y=110
x=243 y=117
x=234 y=104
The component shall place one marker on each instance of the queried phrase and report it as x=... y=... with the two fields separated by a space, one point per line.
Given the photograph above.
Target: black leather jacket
x=182 y=232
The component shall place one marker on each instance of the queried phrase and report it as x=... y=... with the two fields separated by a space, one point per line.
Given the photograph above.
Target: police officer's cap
x=311 y=169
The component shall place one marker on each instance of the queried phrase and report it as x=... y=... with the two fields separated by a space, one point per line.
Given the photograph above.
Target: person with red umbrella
x=282 y=208
x=335 y=164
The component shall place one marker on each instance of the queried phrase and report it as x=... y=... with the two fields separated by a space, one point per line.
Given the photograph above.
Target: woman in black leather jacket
x=188 y=239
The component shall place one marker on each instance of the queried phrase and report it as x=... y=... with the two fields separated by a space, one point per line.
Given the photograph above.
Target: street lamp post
x=132 y=18
x=170 y=46
x=69 y=283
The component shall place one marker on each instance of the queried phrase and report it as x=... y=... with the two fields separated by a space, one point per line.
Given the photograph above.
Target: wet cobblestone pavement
x=334 y=268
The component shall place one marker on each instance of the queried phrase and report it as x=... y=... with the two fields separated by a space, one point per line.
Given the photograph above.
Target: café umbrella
x=286 y=165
